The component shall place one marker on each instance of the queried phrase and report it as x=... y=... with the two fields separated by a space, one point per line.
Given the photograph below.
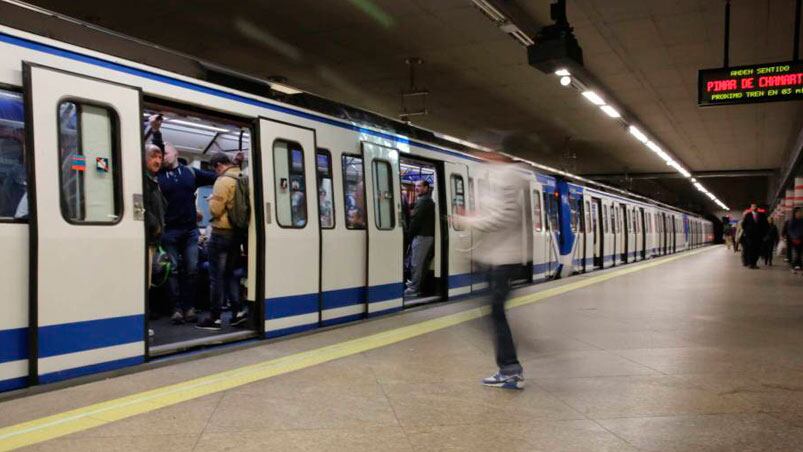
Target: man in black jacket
x=153 y=201
x=754 y=225
x=422 y=234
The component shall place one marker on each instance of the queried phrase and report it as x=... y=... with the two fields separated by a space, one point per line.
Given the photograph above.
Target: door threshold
x=218 y=339
x=421 y=300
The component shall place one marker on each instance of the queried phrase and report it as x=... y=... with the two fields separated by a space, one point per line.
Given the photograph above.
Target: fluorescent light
x=684 y=171
x=672 y=163
x=565 y=81
x=610 y=111
x=654 y=147
x=284 y=89
x=693 y=180
x=593 y=97
x=699 y=186
x=562 y=72
x=196 y=125
x=711 y=196
x=638 y=134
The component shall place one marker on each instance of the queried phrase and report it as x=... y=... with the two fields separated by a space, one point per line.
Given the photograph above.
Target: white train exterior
x=75 y=294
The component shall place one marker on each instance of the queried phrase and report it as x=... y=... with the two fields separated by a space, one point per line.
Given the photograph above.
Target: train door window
x=471 y=204
x=588 y=216
x=605 y=219
x=89 y=175
x=383 y=195
x=291 y=190
x=353 y=192
x=458 y=198
x=575 y=216
x=13 y=186
x=326 y=195
x=537 y=219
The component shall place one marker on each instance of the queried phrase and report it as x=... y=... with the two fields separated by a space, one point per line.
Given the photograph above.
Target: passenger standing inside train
x=154 y=202
x=224 y=246
x=422 y=235
x=178 y=183
x=499 y=224
x=795 y=234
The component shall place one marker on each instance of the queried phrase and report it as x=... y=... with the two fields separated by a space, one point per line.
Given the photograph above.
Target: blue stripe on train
x=75 y=337
x=293 y=305
x=13 y=344
x=91 y=369
x=13 y=383
x=457 y=281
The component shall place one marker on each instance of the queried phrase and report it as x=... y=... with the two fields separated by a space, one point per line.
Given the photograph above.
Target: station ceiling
x=646 y=53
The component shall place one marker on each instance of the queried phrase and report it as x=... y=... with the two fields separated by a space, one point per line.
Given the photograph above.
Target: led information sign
x=750 y=84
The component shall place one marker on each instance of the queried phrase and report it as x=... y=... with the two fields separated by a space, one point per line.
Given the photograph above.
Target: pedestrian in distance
x=771 y=240
x=795 y=234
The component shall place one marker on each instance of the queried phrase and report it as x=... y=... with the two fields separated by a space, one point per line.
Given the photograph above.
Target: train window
x=538 y=223
x=89 y=174
x=13 y=197
x=605 y=219
x=588 y=216
x=383 y=195
x=471 y=204
x=458 y=198
x=353 y=192
x=290 y=182
x=573 y=210
x=326 y=195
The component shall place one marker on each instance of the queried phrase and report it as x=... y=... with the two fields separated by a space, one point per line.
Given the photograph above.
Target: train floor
x=688 y=352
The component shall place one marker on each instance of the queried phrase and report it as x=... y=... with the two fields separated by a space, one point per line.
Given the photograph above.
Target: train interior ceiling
x=197 y=138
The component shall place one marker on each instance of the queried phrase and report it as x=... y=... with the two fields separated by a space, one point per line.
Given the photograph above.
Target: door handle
x=139 y=207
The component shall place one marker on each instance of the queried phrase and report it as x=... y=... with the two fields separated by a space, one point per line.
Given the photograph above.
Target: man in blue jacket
x=178 y=184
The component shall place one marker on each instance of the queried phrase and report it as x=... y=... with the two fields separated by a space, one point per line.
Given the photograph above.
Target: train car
x=329 y=198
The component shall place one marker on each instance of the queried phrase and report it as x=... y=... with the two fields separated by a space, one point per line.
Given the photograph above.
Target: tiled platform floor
x=695 y=354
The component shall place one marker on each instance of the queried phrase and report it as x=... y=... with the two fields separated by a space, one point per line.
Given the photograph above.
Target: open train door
x=459 y=258
x=291 y=258
x=87 y=238
x=385 y=231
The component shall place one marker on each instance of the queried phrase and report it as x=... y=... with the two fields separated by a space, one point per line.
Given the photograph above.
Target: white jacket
x=498 y=223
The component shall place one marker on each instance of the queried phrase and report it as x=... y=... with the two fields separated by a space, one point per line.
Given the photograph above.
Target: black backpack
x=240 y=212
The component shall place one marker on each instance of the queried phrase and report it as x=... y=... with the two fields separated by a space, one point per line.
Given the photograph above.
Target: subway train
x=330 y=190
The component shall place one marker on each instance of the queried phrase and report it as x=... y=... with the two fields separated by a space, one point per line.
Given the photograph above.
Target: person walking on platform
x=180 y=238
x=754 y=225
x=795 y=234
x=770 y=242
x=422 y=235
x=499 y=225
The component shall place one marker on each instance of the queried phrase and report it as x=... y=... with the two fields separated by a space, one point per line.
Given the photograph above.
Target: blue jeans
x=182 y=245
x=224 y=281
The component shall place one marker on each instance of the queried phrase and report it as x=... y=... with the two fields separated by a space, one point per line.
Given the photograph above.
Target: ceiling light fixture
x=610 y=111
x=593 y=97
x=565 y=80
x=638 y=134
x=562 y=72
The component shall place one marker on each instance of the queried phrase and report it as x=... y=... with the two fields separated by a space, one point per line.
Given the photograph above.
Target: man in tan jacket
x=224 y=246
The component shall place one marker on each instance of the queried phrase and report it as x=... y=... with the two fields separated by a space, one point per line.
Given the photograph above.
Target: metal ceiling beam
x=673 y=175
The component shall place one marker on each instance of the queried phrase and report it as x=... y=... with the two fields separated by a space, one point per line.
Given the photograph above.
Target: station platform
x=687 y=352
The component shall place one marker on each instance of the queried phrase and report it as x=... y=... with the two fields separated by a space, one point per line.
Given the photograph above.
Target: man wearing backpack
x=228 y=207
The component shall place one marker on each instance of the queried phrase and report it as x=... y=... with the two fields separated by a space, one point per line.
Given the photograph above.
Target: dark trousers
x=797 y=254
x=499 y=280
x=182 y=245
x=224 y=282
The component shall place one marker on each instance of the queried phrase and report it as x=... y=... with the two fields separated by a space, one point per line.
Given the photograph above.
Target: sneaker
x=499 y=380
x=239 y=318
x=177 y=318
x=151 y=332
x=410 y=292
x=209 y=324
x=190 y=316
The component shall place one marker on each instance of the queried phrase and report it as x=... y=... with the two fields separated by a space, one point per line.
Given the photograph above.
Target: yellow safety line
x=96 y=415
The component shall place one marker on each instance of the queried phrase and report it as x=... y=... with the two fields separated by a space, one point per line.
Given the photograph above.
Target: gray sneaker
x=500 y=380
x=177 y=318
